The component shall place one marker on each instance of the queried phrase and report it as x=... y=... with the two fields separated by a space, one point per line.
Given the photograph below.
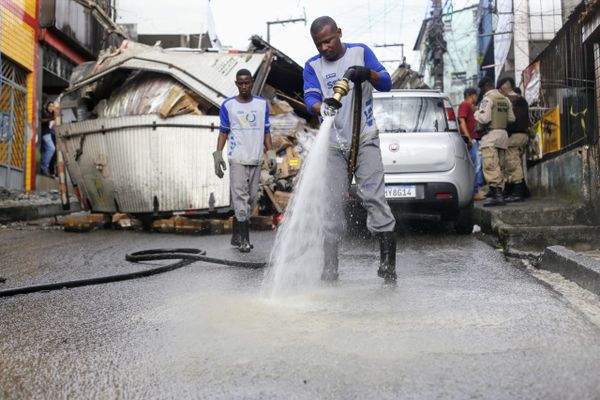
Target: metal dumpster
x=141 y=162
x=145 y=164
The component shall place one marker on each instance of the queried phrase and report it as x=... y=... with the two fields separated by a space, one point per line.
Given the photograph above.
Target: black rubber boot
x=497 y=198
x=508 y=189
x=245 y=245
x=387 y=261
x=518 y=193
x=526 y=191
x=330 y=264
x=235 y=234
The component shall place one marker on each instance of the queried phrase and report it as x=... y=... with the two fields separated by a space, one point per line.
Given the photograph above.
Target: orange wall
x=19 y=41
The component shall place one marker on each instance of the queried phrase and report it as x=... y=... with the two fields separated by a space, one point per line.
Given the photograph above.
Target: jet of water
x=296 y=259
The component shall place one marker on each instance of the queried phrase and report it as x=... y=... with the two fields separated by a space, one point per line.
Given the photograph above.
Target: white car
x=428 y=170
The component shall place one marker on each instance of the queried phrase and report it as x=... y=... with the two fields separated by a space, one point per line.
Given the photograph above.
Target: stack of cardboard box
x=286 y=130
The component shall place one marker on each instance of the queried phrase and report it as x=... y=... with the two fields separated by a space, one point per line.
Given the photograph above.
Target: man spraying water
x=358 y=64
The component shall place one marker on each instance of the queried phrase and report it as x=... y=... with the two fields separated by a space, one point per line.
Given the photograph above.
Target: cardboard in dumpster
x=287 y=124
x=280 y=143
x=191 y=226
x=163 y=225
x=77 y=224
x=129 y=224
x=209 y=74
x=150 y=93
x=289 y=164
x=282 y=198
x=292 y=139
x=277 y=107
x=261 y=223
x=220 y=226
x=86 y=223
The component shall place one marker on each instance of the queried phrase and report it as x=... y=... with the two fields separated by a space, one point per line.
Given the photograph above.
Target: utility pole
x=438 y=45
x=293 y=20
x=401 y=45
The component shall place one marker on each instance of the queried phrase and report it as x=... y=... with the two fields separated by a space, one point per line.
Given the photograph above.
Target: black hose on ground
x=186 y=257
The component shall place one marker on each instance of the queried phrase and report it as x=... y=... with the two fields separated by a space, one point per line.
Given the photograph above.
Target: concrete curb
x=33 y=212
x=581 y=269
x=535 y=226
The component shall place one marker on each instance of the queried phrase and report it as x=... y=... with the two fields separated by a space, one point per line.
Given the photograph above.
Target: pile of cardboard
x=291 y=139
x=148 y=93
x=85 y=222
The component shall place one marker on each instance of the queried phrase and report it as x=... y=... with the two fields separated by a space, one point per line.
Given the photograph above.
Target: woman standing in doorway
x=48 y=146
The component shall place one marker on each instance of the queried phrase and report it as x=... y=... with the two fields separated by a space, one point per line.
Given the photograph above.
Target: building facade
x=18 y=101
x=40 y=44
x=462 y=55
x=70 y=33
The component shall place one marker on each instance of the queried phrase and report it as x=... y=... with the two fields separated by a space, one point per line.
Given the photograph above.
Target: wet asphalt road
x=462 y=323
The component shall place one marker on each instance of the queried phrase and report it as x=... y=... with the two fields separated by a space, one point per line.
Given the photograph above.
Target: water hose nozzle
x=340 y=89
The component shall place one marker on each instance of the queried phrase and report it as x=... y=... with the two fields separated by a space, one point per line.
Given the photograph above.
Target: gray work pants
x=370 y=189
x=243 y=181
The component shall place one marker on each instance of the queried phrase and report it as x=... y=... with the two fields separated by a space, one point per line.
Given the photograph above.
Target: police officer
x=494 y=114
x=334 y=60
x=245 y=127
x=518 y=138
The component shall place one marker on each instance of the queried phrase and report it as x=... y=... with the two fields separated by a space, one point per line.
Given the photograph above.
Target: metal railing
x=568 y=81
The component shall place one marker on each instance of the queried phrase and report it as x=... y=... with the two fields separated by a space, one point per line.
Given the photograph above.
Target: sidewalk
x=561 y=234
x=20 y=206
x=537 y=223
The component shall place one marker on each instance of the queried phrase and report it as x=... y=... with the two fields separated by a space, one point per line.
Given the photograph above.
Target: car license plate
x=400 y=192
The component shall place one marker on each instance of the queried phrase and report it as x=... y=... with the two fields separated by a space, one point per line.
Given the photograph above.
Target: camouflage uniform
x=495 y=112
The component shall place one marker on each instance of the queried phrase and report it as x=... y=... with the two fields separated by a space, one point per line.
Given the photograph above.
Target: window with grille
x=13 y=114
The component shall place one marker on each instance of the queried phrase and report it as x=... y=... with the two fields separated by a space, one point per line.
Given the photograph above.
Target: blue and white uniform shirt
x=319 y=77
x=246 y=125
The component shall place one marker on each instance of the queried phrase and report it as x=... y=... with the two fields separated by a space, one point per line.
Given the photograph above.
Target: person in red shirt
x=467 y=124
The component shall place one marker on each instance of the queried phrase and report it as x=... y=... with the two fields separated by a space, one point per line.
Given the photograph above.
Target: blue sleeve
x=267 y=121
x=371 y=62
x=312 y=88
x=225 y=126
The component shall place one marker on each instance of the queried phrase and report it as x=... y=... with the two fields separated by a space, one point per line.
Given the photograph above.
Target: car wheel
x=463 y=224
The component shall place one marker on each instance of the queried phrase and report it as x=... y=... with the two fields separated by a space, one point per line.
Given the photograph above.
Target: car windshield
x=410 y=114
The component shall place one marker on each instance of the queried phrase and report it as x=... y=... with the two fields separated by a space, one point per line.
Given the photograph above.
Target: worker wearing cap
x=245 y=127
x=494 y=114
x=357 y=62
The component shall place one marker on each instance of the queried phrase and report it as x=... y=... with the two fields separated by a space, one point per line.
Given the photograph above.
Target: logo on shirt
x=251 y=117
x=248 y=119
x=330 y=80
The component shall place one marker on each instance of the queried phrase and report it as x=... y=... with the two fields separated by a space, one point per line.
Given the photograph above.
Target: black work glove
x=358 y=74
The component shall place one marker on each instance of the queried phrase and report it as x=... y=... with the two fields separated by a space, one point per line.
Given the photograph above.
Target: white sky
x=368 y=21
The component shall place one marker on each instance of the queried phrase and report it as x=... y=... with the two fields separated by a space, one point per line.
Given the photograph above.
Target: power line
x=282 y=22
